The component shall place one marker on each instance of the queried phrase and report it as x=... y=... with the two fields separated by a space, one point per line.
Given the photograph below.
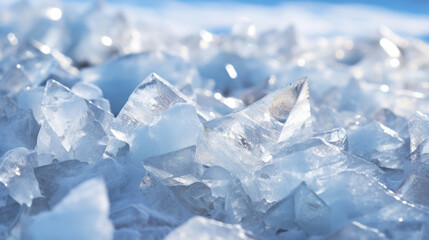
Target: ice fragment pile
x=115 y=128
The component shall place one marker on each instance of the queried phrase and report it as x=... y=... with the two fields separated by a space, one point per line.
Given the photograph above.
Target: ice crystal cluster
x=115 y=130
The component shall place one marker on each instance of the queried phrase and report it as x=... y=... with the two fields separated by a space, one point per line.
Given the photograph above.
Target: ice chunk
x=82 y=214
x=16 y=173
x=238 y=204
x=302 y=207
x=72 y=122
x=152 y=97
x=57 y=179
x=414 y=189
x=308 y=161
x=239 y=141
x=379 y=144
x=417 y=126
x=111 y=76
x=18 y=127
x=158 y=197
x=177 y=128
x=336 y=137
x=174 y=164
x=29 y=68
x=207 y=229
x=9 y=211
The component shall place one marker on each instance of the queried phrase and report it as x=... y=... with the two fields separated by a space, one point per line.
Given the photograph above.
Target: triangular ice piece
x=152 y=97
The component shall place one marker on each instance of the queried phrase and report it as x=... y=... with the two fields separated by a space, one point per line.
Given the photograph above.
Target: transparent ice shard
x=414 y=189
x=238 y=204
x=174 y=164
x=310 y=161
x=82 y=214
x=155 y=195
x=379 y=144
x=336 y=137
x=29 y=67
x=177 y=128
x=311 y=212
x=9 y=211
x=203 y=228
x=299 y=116
x=138 y=216
x=417 y=127
x=74 y=122
x=57 y=179
x=133 y=67
x=302 y=207
x=239 y=142
x=152 y=97
x=16 y=173
x=18 y=127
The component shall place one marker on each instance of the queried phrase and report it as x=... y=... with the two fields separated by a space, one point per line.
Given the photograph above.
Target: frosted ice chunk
x=71 y=121
x=207 y=229
x=177 y=128
x=111 y=76
x=152 y=97
x=16 y=173
x=82 y=214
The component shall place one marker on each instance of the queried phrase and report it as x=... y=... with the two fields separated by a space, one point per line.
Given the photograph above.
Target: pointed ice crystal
x=207 y=229
x=74 y=122
x=239 y=141
x=16 y=173
x=82 y=214
x=152 y=97
x=117 y=78
x=418 y=128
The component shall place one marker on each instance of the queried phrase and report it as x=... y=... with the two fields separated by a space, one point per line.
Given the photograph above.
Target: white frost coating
x=83 y=214
x=200 y=228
